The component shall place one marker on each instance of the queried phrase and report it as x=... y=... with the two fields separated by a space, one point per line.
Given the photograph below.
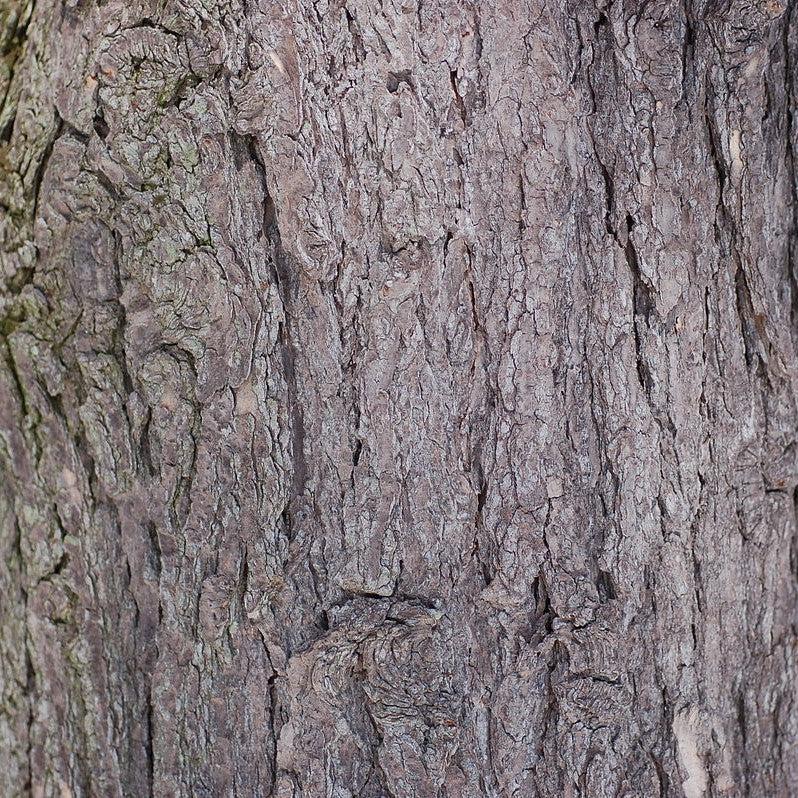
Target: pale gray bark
x=398 y=399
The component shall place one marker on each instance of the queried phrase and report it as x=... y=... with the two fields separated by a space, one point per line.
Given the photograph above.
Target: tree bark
x=398 y=399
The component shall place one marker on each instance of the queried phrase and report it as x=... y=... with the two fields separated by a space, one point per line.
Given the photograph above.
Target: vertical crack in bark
x=41 y=166
x=792 y=173
x=715 y=150
x=149 y=742
x=13 y=44
x=688 y=54
x=182 y=499
x=274 y=731
x=643 y=306
x=286 y=281
x=726 y=234
x=745 y=312
x=643 y=295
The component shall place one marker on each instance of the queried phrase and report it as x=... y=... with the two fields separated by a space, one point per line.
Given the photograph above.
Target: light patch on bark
x=687 y=728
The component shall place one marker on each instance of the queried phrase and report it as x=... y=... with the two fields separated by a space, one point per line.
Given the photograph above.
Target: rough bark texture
x=398 y=399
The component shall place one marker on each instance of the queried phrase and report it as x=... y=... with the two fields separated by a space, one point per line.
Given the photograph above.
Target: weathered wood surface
x=398 y=399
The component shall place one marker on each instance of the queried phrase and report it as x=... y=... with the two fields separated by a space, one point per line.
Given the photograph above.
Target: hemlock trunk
x=398 y=399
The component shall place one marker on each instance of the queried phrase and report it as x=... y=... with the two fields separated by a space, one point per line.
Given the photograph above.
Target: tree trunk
x=398 y=399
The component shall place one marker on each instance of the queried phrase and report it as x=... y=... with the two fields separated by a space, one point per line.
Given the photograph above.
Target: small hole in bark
x=606 y=587
x=7 y=130
x=100 y=125
x=395 y=78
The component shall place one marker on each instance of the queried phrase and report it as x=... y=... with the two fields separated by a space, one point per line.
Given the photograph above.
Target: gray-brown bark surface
x=398 y=399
